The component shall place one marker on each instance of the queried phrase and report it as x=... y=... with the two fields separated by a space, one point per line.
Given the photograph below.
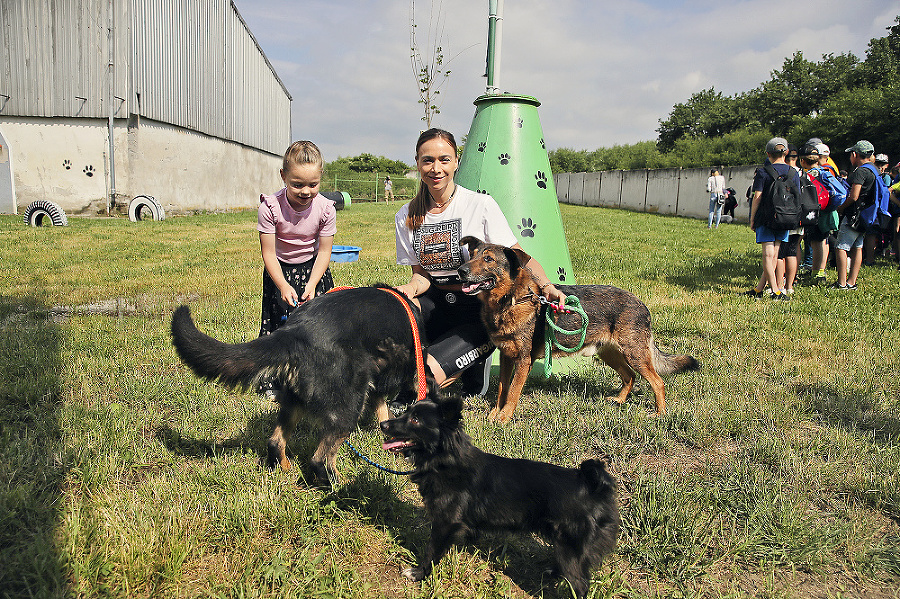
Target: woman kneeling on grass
x=428 y=231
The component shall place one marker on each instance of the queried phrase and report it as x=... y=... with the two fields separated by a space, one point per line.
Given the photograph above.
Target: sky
x=605 y=73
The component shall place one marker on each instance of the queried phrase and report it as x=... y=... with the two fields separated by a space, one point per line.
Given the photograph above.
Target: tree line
x=840 y=99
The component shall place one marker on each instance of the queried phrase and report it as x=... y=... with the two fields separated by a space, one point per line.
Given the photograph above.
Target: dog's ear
x=472 y=242
x=517 y=259
x=451 y=409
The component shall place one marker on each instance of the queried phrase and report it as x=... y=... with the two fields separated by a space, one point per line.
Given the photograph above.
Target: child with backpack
x=830 y=193
x=774 y=211
x=865 y=206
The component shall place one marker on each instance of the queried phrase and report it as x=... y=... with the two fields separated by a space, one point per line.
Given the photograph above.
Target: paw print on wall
x=484 y=191
x=527 y=227
x=89 y=170
x=503 y=158
x=482 y=146
x=520 y=123
x=543 y=145
x=67 y=164
x=541 y=180
x=561 y=273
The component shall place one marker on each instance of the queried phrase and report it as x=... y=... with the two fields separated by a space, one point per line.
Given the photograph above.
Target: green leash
x=550 y=339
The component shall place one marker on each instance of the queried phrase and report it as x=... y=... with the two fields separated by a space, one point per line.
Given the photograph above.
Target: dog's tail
x=598 y=480
x=667 y=364
x=238 y=365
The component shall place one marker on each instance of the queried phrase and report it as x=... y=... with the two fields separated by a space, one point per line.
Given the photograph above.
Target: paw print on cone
x=527 y=227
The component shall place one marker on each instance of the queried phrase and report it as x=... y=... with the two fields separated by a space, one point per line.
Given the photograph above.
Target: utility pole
x=110 y=96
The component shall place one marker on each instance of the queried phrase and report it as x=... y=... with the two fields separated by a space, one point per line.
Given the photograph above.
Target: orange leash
x=422 y=387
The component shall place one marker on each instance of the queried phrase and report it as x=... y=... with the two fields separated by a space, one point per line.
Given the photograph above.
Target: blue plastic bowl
x=344 y=253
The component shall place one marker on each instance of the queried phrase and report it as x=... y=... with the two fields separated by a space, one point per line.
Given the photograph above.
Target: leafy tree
x=706 y=114
x=882 y=64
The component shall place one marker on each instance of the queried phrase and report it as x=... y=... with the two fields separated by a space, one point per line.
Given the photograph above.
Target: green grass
x=776 y=472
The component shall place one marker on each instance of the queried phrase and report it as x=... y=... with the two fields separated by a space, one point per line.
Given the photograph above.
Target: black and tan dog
x=466 y=490
x=618 y=332
x=337 y=357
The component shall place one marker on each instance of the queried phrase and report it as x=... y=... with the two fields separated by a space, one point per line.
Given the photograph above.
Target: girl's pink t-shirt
x=296 y=233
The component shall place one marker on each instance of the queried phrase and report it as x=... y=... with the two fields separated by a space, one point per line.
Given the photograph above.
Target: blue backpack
x=837 y=188
x=877 y=213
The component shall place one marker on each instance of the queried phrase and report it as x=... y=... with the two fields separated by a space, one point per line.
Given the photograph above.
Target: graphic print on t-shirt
x=437 y=245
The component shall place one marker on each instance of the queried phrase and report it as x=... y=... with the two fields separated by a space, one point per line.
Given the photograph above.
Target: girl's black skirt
x=274 y=310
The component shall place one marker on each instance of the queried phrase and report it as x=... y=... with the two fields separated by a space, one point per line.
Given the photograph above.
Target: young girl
x=296 y=231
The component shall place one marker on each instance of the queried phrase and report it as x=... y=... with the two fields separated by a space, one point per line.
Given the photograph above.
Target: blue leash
x=371 y=463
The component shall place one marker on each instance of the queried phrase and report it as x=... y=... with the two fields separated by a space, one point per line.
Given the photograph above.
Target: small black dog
x=466 y=489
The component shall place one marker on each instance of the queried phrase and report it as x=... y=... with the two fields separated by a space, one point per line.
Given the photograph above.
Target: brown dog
x=618 y=331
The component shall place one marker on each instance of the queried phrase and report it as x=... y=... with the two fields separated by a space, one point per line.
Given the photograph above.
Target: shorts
x=454 y=330
x=814 y=234
x=274 y=310
x=849 y=238
x=767 y=235
x=788 y=249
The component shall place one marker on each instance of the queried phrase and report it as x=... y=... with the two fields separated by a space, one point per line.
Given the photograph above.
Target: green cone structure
x=505 y=156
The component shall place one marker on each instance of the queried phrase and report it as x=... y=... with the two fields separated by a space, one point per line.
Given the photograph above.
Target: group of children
x=840 y=227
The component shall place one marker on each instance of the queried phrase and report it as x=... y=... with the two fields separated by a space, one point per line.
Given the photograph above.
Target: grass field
x=776 y=472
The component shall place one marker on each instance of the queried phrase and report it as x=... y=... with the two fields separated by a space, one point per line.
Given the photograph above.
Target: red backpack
x=822 y=194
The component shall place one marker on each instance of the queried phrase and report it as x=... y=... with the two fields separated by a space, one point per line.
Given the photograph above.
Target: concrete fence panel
x=693 y=199
x=662 y=190
x=611 y=189
x=561 y=183
x=592 y=189
x=576 y=189
x=634 y=190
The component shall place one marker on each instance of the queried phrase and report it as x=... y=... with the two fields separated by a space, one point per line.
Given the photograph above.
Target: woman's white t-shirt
x=435 y=245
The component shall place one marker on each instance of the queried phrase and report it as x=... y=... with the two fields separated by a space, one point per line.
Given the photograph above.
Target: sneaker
x=836 y=286
x=781 y=297
x=850 y=287
x=819 y=280
x=753 y=293
x=476 y=378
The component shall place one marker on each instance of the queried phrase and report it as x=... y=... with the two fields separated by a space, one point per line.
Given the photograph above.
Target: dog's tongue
x=468 y=288
x=392 y=445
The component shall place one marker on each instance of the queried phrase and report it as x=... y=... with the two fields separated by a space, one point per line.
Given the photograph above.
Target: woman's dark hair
x=419 y=205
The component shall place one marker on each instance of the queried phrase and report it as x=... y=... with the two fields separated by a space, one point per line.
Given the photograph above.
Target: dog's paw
x=415 y=574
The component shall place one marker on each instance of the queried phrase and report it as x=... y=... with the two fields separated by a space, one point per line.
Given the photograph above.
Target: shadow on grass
x=859 y=411
x=32 y=463
x=716 y=273
x=523 y=558
x=252 y=438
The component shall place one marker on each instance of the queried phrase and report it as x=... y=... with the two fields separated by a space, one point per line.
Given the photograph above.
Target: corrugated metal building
x=178 y=93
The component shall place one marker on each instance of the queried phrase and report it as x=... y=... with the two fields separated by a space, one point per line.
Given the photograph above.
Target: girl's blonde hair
x=419 y=205
x=303 y=152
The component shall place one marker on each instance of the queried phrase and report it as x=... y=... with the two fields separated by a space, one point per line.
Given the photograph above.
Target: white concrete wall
x=65 y=161
x=662 y=190
x=634 y=190
x=673 y=191
x=592 y=183
x=693 y=199
x=610 y=189
x=576 y=188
